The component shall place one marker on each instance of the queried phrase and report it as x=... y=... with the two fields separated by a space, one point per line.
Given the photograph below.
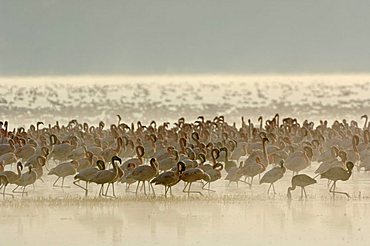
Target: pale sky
x=46 y=37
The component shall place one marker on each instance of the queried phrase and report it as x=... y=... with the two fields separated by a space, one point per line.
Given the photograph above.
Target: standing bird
x=301 y=180
x=338 y=173
x=191 y=175
x=107 y=176
x=87 y=173
x=169 y=178
x=214 y=174
x=28 y=178
x=256 y=162
x=235 y=174
x=138 y=161
x=145 y=173
x=63 y=170
x=12 y=176
x=299 y=160
x=228 y=163
x=273 y=175
x=126 y=176
x=110 y=152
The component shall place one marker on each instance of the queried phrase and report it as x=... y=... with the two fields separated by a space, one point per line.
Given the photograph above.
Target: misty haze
x=184 y=122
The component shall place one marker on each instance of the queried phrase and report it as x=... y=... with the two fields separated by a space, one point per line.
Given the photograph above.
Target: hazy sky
x=45 y=37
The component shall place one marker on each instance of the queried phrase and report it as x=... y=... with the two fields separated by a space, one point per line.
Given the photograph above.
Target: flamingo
x=191 y=175
x=299 y=160
x=63 y=170
x=28 y=178
x=107 y=176
x=61 y=151
x=108 y=153
x=228 y=163
x=9 y=147
x=169 y=161
x=251 y=169
x=87 y=173
x=273 y=175
x=301 y=180
x=126 y=178
x=235 y=174
x=169 y=178
x=214 y=174
x=338 y=173
x=38 y=164
x=138 y=160
x=145 y=173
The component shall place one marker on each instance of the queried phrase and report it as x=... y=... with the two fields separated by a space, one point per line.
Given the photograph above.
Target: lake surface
x=241 y=216
x=167 y=98
x=237 y=216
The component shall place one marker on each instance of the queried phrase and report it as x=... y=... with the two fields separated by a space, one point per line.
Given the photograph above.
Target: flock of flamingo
x=199 y=152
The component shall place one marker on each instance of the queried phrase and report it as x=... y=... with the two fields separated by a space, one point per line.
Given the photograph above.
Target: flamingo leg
x=165 y=191
x=186 y=185
x=137 y=187
x=76 y=184
x=114 y=194
x=106 y=190
x=101 y=189
x=128 y=188
x=268 y=190
x=23 y=192
x=63 y=183
x=250 y=185
x=305 y=194
x=301 y=193
x=4 y=193
x=86 y=190
x=332 y=189
x=151 y=185
x=56 y=182
x=209 y=187
x=338 y=192
x=14 y=190
x=273 y=188
x=198 y=192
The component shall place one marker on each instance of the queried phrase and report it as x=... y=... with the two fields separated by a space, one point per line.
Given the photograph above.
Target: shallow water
x=240 y=216
x=255 y=222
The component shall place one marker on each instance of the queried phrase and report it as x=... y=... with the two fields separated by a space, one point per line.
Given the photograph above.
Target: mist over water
x=231 y=215
x=167 y=98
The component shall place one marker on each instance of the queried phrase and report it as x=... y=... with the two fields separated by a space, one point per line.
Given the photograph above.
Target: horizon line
x=206 y=77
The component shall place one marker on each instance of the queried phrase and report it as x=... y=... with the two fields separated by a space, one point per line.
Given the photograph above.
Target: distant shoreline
x=167 y=78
